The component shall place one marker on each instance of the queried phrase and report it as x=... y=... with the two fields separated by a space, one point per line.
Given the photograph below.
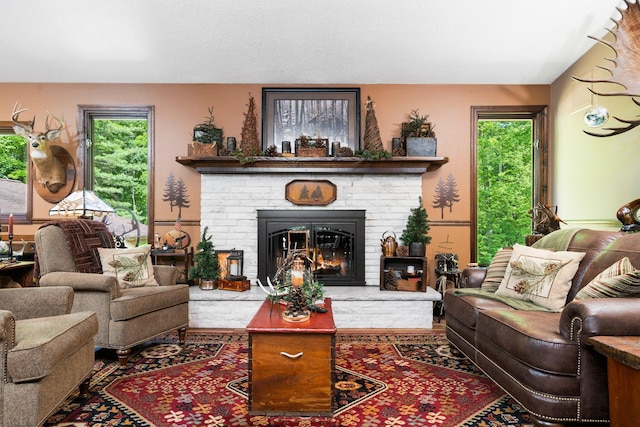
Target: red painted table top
x=269 y=319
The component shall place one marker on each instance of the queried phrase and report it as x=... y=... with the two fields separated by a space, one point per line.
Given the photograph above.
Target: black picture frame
x=332 y=113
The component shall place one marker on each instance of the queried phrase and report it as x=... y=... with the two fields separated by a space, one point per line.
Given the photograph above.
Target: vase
x=417 y=249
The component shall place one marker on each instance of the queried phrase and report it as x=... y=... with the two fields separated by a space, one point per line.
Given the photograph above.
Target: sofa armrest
x=472 y=277
x=583 y=319
x=29 y=303
x=82 y=282
x=166 y=275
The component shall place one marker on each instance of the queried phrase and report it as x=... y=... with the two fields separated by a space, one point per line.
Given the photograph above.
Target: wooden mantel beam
x=345 y=165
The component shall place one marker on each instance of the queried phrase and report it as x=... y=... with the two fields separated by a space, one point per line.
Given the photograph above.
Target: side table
x=444 y=277
x=623 y=371
x=20 y=272
x=291 y=364
x=173 y=257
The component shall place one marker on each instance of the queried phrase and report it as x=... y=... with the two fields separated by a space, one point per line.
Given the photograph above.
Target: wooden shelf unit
x=400 y=263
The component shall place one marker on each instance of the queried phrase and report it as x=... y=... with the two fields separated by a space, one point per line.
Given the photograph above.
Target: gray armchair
x=126 y=317
x=47 y=352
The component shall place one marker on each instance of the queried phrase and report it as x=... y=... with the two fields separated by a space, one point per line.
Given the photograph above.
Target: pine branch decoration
x=249 y=141
x=372 y=140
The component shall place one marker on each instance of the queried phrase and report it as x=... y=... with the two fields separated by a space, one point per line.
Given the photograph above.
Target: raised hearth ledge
x=353 y=307
x=345 y=165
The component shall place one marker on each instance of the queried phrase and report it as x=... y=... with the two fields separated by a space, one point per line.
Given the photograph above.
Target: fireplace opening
x=332 y=240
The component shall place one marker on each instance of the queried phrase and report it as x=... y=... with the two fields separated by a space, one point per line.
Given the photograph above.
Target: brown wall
x=178 y=108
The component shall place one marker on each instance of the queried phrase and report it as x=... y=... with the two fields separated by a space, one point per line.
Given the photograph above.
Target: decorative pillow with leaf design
x=621 y=279
x=540 y=276
x=132 y=266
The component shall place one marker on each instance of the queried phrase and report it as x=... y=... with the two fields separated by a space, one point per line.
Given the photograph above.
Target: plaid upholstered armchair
x=47 y=352
x=73 y=252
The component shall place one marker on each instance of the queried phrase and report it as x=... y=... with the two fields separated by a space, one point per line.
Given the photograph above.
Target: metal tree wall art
x=175 y=192
x=624 y=67
x=446 y=194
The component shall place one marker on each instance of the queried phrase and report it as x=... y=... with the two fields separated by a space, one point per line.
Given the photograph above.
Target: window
x=118 y=166
x=15 y=181
x=510 y=176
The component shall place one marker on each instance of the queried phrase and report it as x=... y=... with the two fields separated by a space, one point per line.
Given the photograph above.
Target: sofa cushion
x=135 y=302
x=621 y=279
x=41 y=343
x=465 y=308
x=496 y=270
x=132 y=266
x=540 y=276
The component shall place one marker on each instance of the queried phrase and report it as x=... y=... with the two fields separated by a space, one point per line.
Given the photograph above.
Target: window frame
x=86 y=114
x=540 y=137
x=6 y=128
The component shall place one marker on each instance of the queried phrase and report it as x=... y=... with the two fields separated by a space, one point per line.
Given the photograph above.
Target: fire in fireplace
x=333 y=240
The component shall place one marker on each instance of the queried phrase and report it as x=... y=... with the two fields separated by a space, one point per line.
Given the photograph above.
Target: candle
x=297 y=278
x=10 y=223
x=411 y=269
x=335 y=146
x=234 y=271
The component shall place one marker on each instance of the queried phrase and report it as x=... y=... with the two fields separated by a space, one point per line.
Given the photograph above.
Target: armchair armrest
x=583 y=319
x=29 y=303
x=82 y=282
x=166 y=274
x=7 y=332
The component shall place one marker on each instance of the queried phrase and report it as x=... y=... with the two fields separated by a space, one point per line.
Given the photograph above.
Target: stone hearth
x=353 y=307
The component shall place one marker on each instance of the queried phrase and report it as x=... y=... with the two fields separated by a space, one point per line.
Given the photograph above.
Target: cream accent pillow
x=540 y=276
x=621 y=279
x=496 y=270
x=132 y=266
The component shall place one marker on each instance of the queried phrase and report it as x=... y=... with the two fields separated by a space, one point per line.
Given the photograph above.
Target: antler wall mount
x=53 y=166
x=624 y=68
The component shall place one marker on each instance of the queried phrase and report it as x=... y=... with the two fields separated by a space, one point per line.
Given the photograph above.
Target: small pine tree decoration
x=206 y=260
x=372 y=140
x=417 y=226
x=249 y=141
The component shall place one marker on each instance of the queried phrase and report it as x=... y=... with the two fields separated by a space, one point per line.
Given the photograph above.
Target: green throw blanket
x=511 y=302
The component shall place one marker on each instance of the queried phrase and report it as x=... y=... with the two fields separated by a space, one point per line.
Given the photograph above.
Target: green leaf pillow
x=132 y=266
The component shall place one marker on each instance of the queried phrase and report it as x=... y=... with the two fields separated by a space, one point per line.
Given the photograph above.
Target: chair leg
x=182 y=335
x=84 y=388
x=123 y=356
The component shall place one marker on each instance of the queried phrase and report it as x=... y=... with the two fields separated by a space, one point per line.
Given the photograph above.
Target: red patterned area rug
x=381 y=381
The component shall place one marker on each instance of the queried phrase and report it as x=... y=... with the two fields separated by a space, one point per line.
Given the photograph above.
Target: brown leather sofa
x=542 y=359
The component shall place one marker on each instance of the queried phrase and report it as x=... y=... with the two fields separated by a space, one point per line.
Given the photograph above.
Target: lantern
x=234 y=266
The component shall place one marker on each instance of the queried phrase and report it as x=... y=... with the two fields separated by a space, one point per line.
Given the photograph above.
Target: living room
x=588 y=177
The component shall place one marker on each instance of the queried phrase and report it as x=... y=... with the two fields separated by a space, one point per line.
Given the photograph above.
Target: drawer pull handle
x=291 y=356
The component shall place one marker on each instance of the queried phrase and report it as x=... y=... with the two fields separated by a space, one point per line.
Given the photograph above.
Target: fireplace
x=333 y=240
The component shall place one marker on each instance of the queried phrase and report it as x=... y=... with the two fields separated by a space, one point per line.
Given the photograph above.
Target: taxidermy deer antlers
x=50 y=172
x=625 y=65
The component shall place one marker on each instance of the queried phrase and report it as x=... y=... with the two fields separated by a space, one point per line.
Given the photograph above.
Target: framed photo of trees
x=333 y=114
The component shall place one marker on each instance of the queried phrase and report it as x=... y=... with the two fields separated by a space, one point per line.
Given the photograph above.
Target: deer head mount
x=623 y=69
x=50 y=172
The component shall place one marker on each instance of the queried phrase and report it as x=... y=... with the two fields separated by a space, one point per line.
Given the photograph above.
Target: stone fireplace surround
x=230 y=199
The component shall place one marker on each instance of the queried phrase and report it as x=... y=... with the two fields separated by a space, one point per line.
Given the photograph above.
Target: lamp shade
x=81 y=203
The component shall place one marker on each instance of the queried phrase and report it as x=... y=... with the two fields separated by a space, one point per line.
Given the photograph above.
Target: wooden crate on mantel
x=234 y=285
x=198 y=149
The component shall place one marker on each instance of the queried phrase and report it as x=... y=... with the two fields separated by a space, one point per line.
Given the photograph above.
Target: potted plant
x=206 y=268
x=419 y=136
x=207 y=137
x=415 y=234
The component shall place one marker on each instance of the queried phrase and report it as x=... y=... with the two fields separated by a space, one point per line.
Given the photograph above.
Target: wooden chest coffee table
x=291 y=364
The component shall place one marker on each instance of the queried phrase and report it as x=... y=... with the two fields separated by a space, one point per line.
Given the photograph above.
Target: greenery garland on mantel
x=356 y=165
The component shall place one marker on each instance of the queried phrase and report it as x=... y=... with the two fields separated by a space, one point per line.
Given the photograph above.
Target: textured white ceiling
x=297 y=41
